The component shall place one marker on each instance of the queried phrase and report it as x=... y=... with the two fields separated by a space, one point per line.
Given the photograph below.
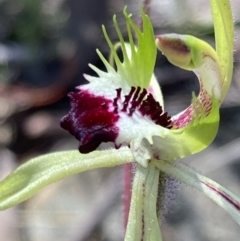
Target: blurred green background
x=45 y=47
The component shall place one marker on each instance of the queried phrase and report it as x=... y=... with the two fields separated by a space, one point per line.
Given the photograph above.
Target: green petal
x=143 y=224
x=224 y=37
x=39 y=172
x=137 y=67
x=220 y=195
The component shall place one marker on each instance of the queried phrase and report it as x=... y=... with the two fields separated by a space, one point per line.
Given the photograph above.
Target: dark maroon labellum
x=93 y=119
x=90 y=120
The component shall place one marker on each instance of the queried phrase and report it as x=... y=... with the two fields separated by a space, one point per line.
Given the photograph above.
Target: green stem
x=143 y=224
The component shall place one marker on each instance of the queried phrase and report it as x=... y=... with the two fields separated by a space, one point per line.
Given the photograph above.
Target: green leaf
x=41 y=171
x=220 y=195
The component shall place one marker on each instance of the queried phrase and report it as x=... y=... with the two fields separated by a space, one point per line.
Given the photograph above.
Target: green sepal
x=220 y=195
x=41 y=171
x=224 y=37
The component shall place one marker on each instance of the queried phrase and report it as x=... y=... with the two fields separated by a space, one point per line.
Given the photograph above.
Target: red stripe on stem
x=225 y=196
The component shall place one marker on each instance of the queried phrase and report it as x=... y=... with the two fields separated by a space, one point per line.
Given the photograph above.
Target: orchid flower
x=124 y=108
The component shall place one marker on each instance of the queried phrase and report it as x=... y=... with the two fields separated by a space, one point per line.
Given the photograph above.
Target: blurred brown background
x=45 y=47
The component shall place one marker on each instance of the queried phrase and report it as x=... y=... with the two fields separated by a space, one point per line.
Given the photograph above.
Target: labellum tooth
x=127 y=99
